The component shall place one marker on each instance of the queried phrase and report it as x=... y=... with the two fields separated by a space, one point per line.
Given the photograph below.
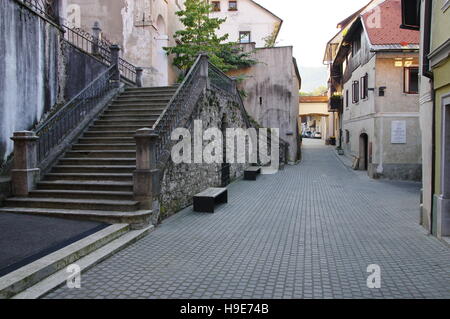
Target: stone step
x=78 y=204
x=127 y=118
x=100 y=147
x=102 y=154
x=144 y=97
x=152 y=89
x=133 y=112
x=106 y=140
x=94 y=169
x=85 y=263
x=143 y=122
x=137 y=219
x=96 y=128
x=98 y=161
x=33 y=273
x=153 y=107
x=119 y=177
x=86 y=185
x=111 y=133
x=155 y=101
x=81 y=194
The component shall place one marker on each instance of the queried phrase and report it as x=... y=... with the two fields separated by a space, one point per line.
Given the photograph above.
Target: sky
x=309 y=24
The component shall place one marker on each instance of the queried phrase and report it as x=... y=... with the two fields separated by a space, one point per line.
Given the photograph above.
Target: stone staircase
x=94 y=179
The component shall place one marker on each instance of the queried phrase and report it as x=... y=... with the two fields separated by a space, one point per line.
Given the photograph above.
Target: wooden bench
x=206 y=200
x=251 y=173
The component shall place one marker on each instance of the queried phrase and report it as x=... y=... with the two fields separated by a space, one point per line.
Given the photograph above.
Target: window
x=364 y=87
x=411 y=14
x=244 y=37
x=215 y=6
x=355 y=92
x=347 y=136
x=411 y=80
x=232 y=6
x=346 y=98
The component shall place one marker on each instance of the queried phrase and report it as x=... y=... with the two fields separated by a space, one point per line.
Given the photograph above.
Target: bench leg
x=223 y=198
x=204 y=205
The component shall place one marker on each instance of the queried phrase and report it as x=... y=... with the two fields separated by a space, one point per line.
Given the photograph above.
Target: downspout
x=429 y=74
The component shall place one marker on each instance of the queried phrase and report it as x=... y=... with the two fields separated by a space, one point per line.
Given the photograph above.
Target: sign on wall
x=398 y=132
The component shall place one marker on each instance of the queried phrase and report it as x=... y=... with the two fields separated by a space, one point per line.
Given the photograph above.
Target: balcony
x=336 y=103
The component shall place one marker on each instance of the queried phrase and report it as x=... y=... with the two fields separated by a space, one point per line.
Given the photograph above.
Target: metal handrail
x=60 y=124
x=99 y=48
x=179 y=107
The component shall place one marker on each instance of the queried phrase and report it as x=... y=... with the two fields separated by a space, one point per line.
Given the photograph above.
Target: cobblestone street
x=309 y=231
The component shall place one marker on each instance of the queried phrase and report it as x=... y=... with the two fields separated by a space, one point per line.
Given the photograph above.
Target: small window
x=411 y=80
x=245 y=37
x=346 y=98
x=232 y=6
x=355 y=92
x=364 y=87
x=215 y=6
x=347 y=136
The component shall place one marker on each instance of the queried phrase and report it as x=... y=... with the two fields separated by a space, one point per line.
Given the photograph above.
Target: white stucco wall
x=140 y=27
x=248 y=17
x=374 y=117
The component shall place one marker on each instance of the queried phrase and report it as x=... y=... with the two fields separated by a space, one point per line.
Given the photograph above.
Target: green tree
x=200 y=36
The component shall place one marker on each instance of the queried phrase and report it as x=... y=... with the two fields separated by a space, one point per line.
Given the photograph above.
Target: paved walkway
x=308 y=232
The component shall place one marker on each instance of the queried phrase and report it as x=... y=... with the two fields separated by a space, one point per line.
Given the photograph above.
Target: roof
x=387 y=30
x=313 y=99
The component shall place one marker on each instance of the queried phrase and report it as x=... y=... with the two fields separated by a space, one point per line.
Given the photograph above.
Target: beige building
x=141 y=27
x=378 y=67
x=315 y=117
x=271 y=92
x=246 y=21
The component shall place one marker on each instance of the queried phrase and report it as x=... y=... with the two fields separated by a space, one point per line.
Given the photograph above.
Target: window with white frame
x=411 y=80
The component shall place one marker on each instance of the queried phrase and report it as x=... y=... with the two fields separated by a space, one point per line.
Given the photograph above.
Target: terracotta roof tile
x=388 y=31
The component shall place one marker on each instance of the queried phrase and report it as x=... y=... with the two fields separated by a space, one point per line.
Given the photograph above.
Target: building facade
x=271 y=89
x=246 y=22
x=432 y=18
x=315 y=117
x=141 y=27
x=378 y=69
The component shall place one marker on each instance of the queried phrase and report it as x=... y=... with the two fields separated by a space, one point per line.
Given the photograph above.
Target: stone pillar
x=139 y=71
x=146 y=175
x=96 y=35
x=25 y=173
x=115 y=49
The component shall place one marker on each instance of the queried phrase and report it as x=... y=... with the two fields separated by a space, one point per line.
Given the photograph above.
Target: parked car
x=307 y=134
x=317 y=135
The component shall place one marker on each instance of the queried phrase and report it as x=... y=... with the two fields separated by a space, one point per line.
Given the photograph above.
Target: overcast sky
x=309 y=24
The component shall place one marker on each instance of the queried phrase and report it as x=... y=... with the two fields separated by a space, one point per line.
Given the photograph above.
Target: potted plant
x=336 y=101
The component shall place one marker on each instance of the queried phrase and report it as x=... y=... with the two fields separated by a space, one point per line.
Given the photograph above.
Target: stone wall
x=180 y=182
x=29 y=63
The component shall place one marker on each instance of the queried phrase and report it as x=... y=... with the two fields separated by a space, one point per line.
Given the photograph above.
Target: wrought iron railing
x=219 y=79
x=100 y=48
x=179 y=109
x=47 y=8
x=58 y=126
x=127 y=70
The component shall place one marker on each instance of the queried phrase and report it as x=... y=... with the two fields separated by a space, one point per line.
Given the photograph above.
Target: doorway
x=444 y=198
x=225 y=167
x=162 y=60
x=363 y=152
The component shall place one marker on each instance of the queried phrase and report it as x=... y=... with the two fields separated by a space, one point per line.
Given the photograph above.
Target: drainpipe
x=429 y=74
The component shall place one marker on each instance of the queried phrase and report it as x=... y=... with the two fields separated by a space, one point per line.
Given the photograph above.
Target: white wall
x=249 y=17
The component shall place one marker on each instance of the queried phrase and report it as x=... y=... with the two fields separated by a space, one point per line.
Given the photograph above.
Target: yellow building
x=433 y=19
